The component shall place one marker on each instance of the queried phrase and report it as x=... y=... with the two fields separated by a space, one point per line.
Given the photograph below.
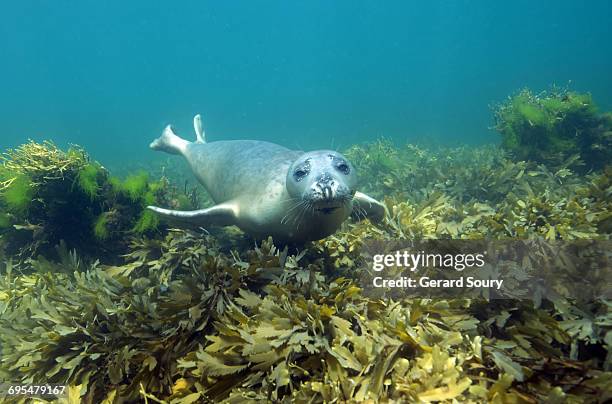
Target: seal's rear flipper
x=199 y=131
x=169 y=142
x=365 y=206
x=223 y=214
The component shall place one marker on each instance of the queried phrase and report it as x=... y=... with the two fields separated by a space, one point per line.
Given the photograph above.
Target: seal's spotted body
x=266 y=189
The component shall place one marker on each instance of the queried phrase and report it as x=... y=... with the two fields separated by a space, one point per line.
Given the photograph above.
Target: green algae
x=527 y=109
x=18 y=195
x=553 y=127
x=147 y=221
x=184 y=203
x=88 y=180
x=101 y=226
x=76 y=201
x=5 y=220
x=149 y=198
x=115 y=184
x=157 y=186
x=135 y=185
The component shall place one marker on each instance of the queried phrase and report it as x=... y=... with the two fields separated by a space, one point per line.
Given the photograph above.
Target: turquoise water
x=110 y=74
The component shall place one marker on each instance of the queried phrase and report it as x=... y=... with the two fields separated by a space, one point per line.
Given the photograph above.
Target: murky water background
x=109 y=75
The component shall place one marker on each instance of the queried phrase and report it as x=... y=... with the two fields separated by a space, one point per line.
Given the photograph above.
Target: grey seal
x=268 y=190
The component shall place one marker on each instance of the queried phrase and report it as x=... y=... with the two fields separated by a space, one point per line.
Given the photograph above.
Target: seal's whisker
x=361 y=215
x=297 y=219
x=364 y=213
x=302 y=214
x=297 y=205
x=297 y=210
x=292 y=209
x=359 y=212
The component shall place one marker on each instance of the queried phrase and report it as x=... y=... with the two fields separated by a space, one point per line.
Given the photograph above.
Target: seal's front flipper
x=223 y=214
x=365 y=206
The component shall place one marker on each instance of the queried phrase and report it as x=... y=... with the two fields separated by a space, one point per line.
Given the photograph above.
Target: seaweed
x=5 y=220
x=17 y=194
x=87 y=179
x=552 y=127
x=49 y=195
x=177 y=322
x=101 y=226
x=135 y=185
x=146 y=222
x=99 y=324
x=185 y=318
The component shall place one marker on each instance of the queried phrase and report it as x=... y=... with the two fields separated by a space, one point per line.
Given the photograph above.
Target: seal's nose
x=325 y=183
x=327 y=192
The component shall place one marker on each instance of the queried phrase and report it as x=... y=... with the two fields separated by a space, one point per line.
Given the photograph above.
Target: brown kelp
x=181 y=321
x=183 y=318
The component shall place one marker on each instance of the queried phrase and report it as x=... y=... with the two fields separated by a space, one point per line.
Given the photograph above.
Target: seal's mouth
x=331 y=205
x=327 y=210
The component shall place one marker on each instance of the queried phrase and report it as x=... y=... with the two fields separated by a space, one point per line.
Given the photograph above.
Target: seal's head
x=324 y=179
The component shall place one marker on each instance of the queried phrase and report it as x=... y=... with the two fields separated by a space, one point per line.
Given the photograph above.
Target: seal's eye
x=343 y=168
x=299 y=174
